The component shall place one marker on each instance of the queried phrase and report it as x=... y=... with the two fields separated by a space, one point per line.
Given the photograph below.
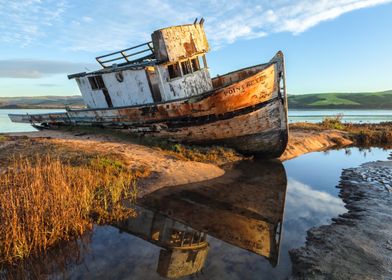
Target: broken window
x=195 y=64
x=174 y=70
x=96 y=82
x=93 y=83
x=186 y=67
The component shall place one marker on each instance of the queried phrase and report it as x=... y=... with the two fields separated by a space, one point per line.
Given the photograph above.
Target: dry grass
x=207 y=154
x=333 y=122
x=363 y=135
x=45 y=199
x=3 y=138
x=213 y=154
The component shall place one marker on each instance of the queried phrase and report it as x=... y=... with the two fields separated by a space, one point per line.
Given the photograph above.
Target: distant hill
x=41 y=102
x=363 y=100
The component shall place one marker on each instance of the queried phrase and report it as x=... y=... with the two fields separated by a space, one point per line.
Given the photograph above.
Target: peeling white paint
x=185 y=86
x=177 y=43
x=133 y=90
x=92 y=98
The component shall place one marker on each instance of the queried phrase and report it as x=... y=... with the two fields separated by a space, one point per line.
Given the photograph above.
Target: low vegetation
x=333 y=122
x=213 y=154
x=208 y=154
x=363 y=135
x=49 y=197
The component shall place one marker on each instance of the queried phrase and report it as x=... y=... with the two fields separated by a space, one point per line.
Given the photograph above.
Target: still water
x=356 y=116
x=238 y=226
x=7 y=126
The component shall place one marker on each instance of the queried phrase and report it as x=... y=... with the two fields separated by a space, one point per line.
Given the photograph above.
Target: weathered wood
x=178 y=42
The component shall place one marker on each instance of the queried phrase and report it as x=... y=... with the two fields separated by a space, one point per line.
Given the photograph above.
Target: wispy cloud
x=24 y=22
x=101 y=25
x=252 y=19
x=34 y=69
x=307 y=201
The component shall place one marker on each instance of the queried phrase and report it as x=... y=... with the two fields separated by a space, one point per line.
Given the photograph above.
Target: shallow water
x=238 y=226
x=7 y=126
x=354 y=116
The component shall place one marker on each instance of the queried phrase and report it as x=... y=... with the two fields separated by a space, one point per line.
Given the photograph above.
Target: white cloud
x=103 y=25
x=297 y=18
x=87 y=19
x=306 y=202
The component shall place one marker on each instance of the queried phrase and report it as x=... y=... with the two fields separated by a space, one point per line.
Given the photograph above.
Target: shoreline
x=165 y=167
x=358 y=243
x=166 y=170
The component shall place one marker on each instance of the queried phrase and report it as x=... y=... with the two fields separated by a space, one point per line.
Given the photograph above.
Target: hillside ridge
x=341 y=100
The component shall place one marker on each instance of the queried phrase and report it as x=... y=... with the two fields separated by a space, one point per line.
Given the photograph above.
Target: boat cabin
x=172 y=66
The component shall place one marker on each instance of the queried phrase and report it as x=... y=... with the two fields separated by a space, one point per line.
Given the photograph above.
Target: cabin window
x=195 y=64
x=96 y=82
x=186 y=67
x=174 y=70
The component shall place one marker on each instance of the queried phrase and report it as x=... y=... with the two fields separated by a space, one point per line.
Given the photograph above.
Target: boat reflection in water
x=244 y=208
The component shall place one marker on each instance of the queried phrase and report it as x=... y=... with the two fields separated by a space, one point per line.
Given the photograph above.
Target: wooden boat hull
x=247 y=110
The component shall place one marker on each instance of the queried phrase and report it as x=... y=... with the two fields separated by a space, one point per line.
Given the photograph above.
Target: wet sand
x=307 y=141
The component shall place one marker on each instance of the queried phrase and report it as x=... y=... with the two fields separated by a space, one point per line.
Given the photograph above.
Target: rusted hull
x=247 y=110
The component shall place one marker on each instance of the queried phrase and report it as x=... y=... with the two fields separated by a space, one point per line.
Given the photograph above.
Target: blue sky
x=330 y=46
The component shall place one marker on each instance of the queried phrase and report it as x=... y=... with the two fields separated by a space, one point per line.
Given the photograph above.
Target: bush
x=334 y=122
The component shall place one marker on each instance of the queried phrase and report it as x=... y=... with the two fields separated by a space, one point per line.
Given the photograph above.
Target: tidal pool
x=238 y=226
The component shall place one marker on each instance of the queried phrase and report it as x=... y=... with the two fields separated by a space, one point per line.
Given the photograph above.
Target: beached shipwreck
x=163 y=88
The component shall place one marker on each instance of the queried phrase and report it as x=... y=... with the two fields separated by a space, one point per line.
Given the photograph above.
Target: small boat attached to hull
x=244 y=109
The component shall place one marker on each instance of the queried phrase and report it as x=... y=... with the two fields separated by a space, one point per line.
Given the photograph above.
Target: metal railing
x=127 y=58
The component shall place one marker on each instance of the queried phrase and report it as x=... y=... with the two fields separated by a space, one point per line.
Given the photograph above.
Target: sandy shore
x=306 y=141
x=167 y=170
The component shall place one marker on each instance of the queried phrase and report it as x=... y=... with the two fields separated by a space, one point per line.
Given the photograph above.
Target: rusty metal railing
x=123 y=57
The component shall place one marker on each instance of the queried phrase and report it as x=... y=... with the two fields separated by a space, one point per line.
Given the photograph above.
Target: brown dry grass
x=212 y=154
x=363 y=135
x=45 y=199
x=207 y=154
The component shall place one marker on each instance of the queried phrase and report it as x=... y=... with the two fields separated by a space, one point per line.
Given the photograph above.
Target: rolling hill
x=41 y=102
x=363 y=100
